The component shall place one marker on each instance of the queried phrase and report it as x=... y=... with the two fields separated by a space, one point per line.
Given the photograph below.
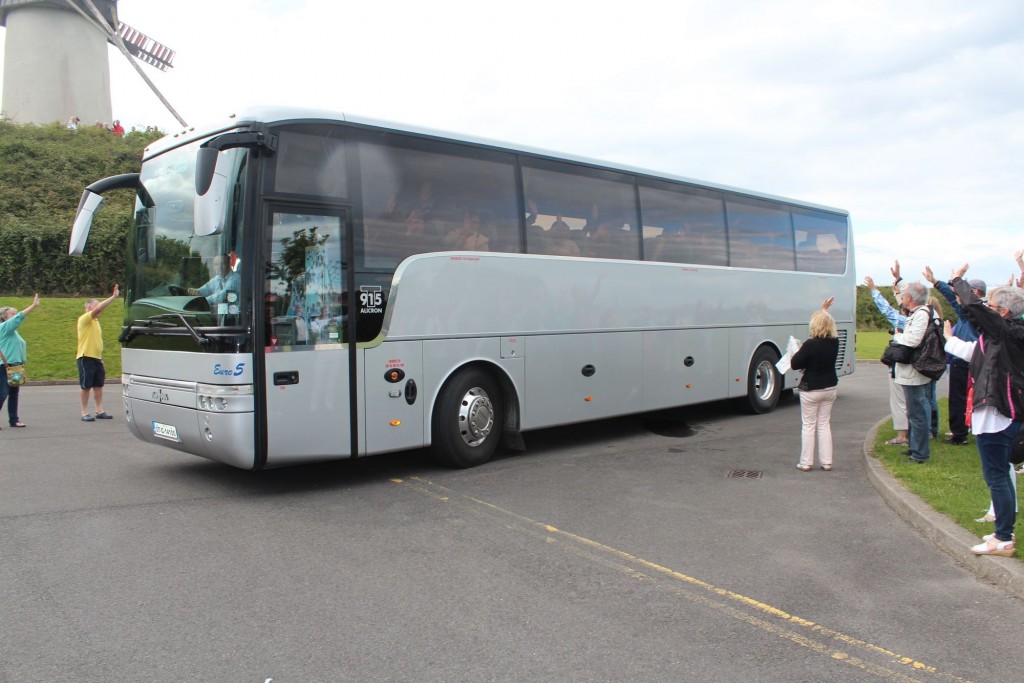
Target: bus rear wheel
x=764 y=383
x=468 y=419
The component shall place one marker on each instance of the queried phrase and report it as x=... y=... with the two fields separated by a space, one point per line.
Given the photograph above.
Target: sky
x=909 y=114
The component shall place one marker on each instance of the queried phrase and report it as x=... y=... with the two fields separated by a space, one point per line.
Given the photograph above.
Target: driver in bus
x=224 y=280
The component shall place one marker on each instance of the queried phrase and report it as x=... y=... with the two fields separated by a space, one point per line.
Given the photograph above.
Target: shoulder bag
x=15 y=373
x=930 y=356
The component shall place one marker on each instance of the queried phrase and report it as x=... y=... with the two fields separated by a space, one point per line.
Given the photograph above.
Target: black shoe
x=913 y=459
x=953 y=441
x=905 y=452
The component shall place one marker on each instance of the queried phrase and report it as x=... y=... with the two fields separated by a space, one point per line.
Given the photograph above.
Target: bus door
x=306 y=358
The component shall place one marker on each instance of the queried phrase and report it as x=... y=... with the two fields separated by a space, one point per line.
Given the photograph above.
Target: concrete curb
x=949 y=537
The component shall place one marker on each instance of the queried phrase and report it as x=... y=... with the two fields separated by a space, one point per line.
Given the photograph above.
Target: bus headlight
x=224 y=397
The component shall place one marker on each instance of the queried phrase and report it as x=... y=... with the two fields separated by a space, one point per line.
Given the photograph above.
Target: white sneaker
x=994 y=547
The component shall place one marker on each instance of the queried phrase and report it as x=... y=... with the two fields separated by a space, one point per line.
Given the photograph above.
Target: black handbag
x=897 y=353
x=930 y=359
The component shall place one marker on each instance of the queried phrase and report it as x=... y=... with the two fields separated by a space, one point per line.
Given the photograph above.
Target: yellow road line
x=645 y=570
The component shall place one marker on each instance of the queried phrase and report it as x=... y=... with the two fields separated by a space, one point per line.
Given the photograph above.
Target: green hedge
x=868 y=317
x=42 y=174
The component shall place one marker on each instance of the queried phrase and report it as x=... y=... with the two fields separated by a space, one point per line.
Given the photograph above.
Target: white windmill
x=55 y=59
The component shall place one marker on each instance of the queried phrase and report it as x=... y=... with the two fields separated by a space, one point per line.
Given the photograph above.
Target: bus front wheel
x=468 y=419
x=764 y=383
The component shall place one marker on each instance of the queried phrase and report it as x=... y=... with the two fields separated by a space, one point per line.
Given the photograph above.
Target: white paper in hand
x=792 y=346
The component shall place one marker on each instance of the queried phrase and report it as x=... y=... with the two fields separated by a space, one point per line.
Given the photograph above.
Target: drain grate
x=744 y=474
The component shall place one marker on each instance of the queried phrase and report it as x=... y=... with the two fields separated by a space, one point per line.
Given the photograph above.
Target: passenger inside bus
x=468 y=236
x=674 y=246
x=560 y=241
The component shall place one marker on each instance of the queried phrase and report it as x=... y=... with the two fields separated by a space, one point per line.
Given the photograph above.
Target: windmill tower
x=55 y=59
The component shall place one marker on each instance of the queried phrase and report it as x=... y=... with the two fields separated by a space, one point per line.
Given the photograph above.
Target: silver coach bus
x=305 y=286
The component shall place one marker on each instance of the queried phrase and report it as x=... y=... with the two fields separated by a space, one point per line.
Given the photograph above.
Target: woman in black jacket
x=817 y=358
x=996 y=406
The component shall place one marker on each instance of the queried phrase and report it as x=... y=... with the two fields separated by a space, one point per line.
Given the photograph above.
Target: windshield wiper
x=164 y=320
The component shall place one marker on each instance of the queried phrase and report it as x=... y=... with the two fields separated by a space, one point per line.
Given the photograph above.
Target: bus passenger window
x=821 y=241
x=580 y=214
x=442 y=200
x=760 y=234
x=683 y=225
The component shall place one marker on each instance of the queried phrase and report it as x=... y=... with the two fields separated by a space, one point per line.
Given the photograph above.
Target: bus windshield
x=174 y=277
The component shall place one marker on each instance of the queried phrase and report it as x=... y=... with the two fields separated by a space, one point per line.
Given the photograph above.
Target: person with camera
x=916 y=387
x=996 y=408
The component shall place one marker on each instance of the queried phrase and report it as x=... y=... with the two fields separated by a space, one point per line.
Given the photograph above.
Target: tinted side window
x=311 y=164
x=684 y=225
x=821 y=241
x=571 y=212
x=420 y=198
x=760 y=234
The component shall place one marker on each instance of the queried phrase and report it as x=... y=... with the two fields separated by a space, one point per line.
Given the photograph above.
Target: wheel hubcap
x=476 y=416
x=764 y=381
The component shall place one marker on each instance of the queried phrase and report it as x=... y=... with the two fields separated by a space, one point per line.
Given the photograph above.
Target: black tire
x=468 y=419
x=764 y=383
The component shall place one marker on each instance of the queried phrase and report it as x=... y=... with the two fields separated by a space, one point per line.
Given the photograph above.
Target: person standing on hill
x=12 y=352
x=91 y=375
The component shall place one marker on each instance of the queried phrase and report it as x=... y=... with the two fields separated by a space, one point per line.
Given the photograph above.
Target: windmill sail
x=145 y=48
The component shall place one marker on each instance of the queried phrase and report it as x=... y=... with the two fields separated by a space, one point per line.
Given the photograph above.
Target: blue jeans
x=919 y=417
x=10 y=395
x=934 y=422
x=994 y=450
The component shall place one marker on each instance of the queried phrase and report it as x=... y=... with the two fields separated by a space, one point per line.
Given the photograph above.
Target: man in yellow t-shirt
x=91 y=375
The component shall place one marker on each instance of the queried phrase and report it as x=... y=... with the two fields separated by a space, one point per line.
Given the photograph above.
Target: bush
x=869 y=318
x=45 y=170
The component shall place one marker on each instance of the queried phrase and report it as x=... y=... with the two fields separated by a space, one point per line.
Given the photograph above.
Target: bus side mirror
x=206 y=164
x=87 y=208
x=211 y=186
x=92 y=200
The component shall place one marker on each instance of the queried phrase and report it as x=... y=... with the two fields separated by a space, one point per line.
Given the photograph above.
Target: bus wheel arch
x=764 y=381
x=472 y=410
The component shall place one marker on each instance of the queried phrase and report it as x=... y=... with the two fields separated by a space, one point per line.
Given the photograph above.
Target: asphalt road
x=615 y=551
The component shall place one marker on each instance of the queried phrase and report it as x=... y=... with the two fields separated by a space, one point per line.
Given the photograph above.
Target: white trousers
x=898 y=406
x=816 y=414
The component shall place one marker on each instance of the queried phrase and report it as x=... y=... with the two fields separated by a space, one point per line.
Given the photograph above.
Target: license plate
x=162 y=431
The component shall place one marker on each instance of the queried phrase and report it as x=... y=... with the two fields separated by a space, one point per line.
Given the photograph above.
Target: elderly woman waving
x=12 y=348
x=996 y=405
